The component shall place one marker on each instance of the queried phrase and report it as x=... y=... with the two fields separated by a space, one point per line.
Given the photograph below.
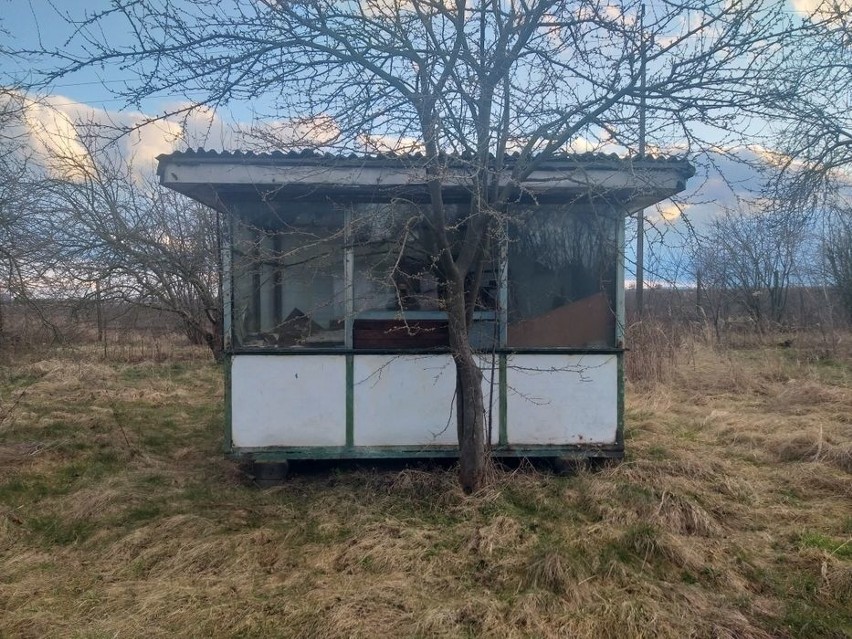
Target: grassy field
x=730 y=517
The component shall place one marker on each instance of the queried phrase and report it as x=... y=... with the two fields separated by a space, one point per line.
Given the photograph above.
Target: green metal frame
x=228 y=444
x=350 y=402
x=555 y=350
x=503 y=432
x=351 y=451
x=277 y=454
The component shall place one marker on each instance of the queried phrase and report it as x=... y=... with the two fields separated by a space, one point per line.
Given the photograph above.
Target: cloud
x=50 y=129
x=723 y=180
x=59 y=133
x=291 y=134
x=668 y=211
x=388 y=144
x=822 y=8
x=392 y=8
x=582 y=144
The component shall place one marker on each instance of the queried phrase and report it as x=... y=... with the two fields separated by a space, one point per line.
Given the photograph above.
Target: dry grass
x=730 y=517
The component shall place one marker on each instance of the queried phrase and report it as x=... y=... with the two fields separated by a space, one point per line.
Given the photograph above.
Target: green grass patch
x=142 y=514
x=658 y=453
x=25 y=488
x=840 y=548
x=806 y=620
x=120 y=500
x=55 y=530
x=169 y=370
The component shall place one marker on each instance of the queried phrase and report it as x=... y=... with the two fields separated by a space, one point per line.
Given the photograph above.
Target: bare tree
x=714 y=297
x=20 y=189
x=118 y=235
x=749 y=258
x=457 y=82
x=810 y=105
x=811 y=171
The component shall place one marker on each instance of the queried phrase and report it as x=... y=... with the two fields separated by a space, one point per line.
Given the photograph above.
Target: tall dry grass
x=730 y=516
x=655 y=346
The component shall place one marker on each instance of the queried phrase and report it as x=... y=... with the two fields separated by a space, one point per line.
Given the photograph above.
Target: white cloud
x=296 y=133
x=668 y=211
x=392 y=8
x=822 y=8
x=60 y=133
x=54 y=128
x=390 y=144
x=53 y=136
x=725 y=179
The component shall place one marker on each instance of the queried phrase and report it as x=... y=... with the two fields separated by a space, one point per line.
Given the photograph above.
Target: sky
x=30 y=23
x=85 y=96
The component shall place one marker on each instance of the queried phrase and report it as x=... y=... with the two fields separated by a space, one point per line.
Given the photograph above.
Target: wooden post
x=99 y=313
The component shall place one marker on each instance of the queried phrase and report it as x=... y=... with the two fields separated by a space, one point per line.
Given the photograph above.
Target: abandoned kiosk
x=336 y=341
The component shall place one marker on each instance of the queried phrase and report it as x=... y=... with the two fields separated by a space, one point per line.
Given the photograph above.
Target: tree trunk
x=99 y=312
x=472 y=458
x=210 y=335
x=214 y=341
x=470 y=408
x=2 y=324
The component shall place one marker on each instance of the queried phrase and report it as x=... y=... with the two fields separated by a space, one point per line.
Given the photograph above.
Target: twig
x=9 y=411
x=115 y=416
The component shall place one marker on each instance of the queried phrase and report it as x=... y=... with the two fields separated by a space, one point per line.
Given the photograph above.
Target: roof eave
x=216 y=178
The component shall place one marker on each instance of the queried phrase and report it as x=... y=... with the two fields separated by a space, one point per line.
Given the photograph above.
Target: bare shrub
x=653 y=350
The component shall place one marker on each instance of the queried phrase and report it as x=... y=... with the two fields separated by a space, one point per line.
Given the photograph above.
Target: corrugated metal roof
x=310 y=157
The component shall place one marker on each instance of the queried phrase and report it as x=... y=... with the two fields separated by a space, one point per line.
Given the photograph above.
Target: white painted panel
x=408 y=400
x=288 y=400
x=562 y=399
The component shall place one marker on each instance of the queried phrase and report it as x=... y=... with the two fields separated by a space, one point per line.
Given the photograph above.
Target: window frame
x=499 y=315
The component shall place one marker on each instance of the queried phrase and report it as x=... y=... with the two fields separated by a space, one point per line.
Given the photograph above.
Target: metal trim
x=503 y=433
x=423 y=351
x=401 y=452
x=228 y=442
x=350 y=401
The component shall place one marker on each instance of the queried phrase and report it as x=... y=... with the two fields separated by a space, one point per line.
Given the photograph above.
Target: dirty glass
x=288 y=277
x=397 y=285
x=561 y=278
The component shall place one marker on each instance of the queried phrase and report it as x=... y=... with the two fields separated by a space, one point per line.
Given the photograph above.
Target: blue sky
x=36 y=23
x=30 y=23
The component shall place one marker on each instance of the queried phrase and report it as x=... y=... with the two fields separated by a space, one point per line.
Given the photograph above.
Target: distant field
x=730 y=517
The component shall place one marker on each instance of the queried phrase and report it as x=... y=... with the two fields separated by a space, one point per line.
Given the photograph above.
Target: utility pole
x=640 y=216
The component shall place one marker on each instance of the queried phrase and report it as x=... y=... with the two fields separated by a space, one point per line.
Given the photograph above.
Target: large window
x=288 y=277
x=561 y=278
x=398 y=295
x=365 y=276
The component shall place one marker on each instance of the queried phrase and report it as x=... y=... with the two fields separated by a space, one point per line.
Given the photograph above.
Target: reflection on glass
x=288 y=283
x=561 y=279
x=290 y=290
x=397 y=283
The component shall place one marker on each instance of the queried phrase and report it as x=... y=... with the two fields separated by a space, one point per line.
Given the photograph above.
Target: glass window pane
x=288 y=275
x=561 y=278
x=397 y=283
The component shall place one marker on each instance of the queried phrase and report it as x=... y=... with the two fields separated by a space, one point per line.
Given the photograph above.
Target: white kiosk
x=335 y=340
